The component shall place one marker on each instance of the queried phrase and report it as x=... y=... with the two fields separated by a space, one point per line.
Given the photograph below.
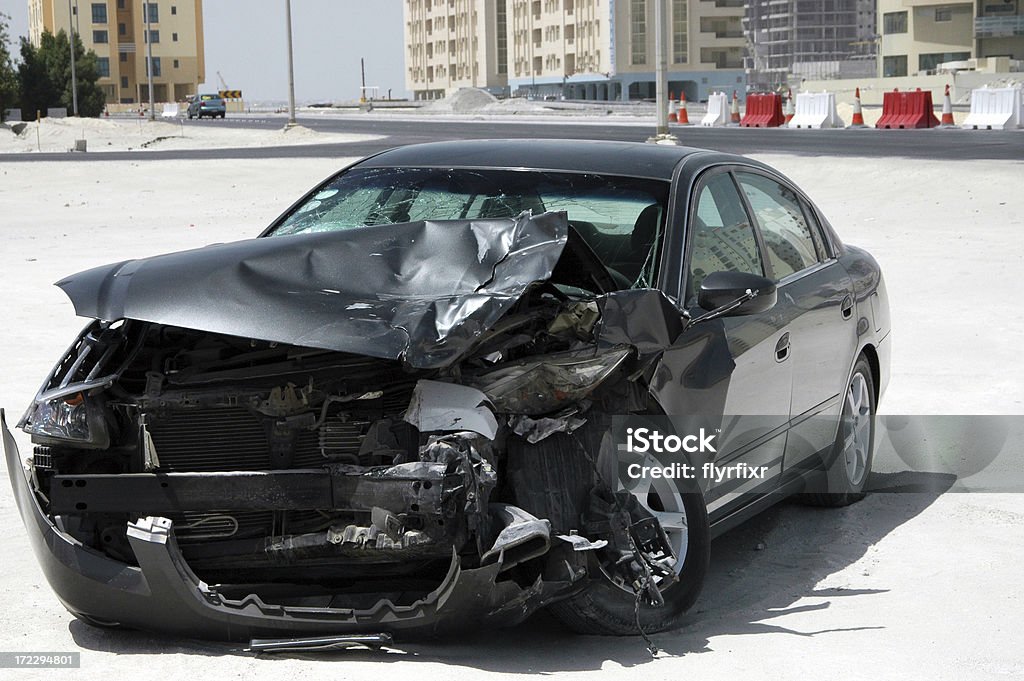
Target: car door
x=816 y=297
x=727 y=368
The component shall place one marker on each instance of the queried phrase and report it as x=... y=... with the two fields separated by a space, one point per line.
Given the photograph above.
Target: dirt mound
x=464 y=100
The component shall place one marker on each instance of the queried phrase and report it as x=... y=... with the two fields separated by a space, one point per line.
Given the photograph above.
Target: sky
x=246 y=42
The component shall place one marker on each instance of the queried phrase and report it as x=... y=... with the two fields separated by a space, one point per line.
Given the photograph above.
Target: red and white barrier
x=907 y=110
x=816 y=110
x=718 y=110
x=763 y=111
x=995 y=109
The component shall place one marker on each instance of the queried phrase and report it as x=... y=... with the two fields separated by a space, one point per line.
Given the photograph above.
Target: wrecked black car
x=416 y=402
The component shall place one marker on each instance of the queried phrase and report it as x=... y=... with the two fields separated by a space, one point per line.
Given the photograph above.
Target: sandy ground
x=900 y=586
x=120 y=134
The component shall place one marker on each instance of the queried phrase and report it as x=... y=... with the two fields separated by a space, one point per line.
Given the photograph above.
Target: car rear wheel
x=849 y=465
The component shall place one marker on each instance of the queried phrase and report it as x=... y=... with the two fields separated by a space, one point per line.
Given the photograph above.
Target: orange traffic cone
x=790 y=109
x=734 y=118
x=683 y=117
x=672 y=116
x=858 y=115
x=947 y=112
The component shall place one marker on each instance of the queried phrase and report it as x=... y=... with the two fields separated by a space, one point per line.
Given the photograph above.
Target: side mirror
x=719 y=289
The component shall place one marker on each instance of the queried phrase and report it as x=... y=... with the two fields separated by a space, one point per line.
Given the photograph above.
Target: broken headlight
x=72 y=419
x=542 y=386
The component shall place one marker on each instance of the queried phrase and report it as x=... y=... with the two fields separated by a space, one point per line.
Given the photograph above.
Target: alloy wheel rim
x=857 y=420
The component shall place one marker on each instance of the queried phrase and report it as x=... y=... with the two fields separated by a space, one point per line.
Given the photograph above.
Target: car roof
x=634 y=159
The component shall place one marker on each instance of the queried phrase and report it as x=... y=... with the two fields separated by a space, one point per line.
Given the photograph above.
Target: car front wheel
x=553 y=479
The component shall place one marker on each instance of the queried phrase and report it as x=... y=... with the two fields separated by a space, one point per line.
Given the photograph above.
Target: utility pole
x=291 y=67
x=362 y=75
x=149 y=62
x=661 y=134
x=74 y=78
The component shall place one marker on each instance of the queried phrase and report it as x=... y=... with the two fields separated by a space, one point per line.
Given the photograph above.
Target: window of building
x=174 y=37
x=929 y=61
x=120 y=4
x=787 y=238
x=100 y=37
x=174 y=10
x=501 y=21
x=99 y=13
x=943 y=14
x=103 y=67
x=156 y=65
x=638 y=31
x=176 y=64
x=124 y=81
x=894 y=66
x=680 y=44
x=154 y=12
x=154 y=36
x=122 y=57
x=122 y=29
x=894 y=22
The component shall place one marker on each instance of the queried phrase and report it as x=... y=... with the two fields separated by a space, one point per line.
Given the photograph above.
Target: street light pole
x=74 y=78
x=149 y=61
x=661 y=134
x=291 y=68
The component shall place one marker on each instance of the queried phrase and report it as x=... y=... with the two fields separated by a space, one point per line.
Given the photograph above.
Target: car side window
x=721 y=236
x=787 y=236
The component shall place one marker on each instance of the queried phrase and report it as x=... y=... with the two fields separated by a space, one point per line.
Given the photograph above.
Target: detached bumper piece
x=318 y=644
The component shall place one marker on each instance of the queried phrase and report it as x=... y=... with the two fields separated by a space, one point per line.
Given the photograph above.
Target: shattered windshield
x=620 y=218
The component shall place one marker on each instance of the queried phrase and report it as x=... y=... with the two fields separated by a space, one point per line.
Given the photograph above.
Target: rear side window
x=787 y=236
x=721 y=236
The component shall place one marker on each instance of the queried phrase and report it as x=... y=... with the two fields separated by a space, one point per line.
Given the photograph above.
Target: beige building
x=918 y=35
x=452 y=44
x=580 y=49
x=116 y=31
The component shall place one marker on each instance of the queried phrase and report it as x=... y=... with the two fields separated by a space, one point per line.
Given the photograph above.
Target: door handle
x=782 y=348
x=846 y=309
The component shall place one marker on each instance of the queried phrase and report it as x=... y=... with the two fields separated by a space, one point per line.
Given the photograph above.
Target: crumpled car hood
x=417 y=291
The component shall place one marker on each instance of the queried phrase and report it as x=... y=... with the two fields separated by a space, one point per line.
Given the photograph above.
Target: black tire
x=605 y=609
x=848 y=465
x=552 y=480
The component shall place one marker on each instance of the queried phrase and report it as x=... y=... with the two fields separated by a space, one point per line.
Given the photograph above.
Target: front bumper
x=163 y=594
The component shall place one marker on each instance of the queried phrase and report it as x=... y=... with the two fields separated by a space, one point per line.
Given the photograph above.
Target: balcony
x=998 y=27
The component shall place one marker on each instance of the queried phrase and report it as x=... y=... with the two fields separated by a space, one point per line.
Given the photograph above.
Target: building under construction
x=814 y=39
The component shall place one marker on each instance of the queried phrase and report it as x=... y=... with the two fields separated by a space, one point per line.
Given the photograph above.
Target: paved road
x=921 y=144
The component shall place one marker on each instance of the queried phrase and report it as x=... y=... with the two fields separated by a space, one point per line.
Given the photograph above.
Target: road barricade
x=907 y=110
x=718 y=110
x=995 y=109
x=816 y=110
x=170 y=110
x=763 y=111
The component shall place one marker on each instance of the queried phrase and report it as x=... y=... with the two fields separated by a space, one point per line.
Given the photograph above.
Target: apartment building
x=810 y=39
x=605 y=49
x=918 y=35
x=116 y=31
x=580 y=49
x=451 y=44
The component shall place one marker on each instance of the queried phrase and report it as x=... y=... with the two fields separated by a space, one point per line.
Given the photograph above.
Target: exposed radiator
x=236 y=439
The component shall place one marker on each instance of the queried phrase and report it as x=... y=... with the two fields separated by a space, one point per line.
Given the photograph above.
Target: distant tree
x=37 y=92
x=45 y=75
x=9 y=93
